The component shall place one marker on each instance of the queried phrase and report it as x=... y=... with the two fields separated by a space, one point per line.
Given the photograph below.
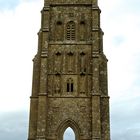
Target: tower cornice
x=94 y=2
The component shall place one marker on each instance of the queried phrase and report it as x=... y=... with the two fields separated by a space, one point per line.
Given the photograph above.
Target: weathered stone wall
x=75 y=109
x=61 y=15
x=70 y=74
x=69 y=61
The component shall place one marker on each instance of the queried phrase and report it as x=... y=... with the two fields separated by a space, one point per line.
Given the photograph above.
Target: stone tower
x=70 y=74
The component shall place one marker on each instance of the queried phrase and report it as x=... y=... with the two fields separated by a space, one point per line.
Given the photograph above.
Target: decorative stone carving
x=57 y=81
x=70 y=59
x=58 y=62
x=82 y=63
x=82 y=84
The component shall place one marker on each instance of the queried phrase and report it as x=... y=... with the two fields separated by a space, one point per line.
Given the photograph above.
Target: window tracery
x=70 y=85
x=70 y=31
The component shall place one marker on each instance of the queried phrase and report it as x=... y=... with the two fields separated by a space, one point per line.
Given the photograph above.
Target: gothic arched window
x=70 y=33
x=70 y=86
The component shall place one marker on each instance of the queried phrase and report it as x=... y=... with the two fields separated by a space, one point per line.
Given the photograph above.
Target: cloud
x=18 y=32
x=14 y=125
x=121 y=44
x=11 y=4
x=121 y=24
x=18 y=35
x=8 y=4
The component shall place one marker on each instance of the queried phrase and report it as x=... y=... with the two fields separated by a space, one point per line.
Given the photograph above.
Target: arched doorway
x=69 y=134
x=68 y=129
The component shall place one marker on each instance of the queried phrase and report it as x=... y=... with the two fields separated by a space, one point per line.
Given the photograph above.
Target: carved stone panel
x=58 y=62
x=70 y=62
x=59 y=30
x=83 y=62
x=83 y=85
x=57 y=85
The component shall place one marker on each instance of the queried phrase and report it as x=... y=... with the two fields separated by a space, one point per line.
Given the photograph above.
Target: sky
x=19 y=23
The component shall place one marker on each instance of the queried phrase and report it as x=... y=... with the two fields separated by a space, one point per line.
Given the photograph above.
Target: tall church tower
x=70 y=74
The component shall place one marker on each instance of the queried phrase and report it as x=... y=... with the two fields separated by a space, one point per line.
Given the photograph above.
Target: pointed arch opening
x=68 y=128
x=69 y=134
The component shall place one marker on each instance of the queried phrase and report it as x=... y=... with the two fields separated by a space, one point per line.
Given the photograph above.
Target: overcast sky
x=19 y=24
